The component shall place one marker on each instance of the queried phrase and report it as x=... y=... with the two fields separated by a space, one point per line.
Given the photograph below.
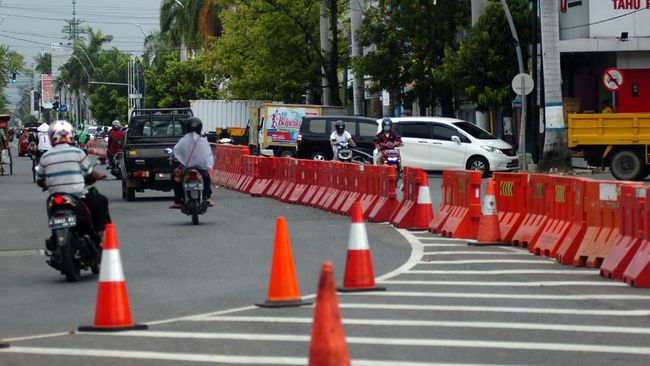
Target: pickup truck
x=146 y=163
x=618 y=140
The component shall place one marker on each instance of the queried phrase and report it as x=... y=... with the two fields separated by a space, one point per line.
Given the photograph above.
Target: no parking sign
x=613 y=79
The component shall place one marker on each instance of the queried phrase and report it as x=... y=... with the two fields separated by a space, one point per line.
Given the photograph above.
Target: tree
x=191 y=23
x=10 y=62
x=44 y=63
x=110 y=102
x=483 y=67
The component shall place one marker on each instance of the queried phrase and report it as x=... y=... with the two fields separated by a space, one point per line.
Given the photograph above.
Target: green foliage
x=44 y=63
x=109 y=102
x=409 y=38
x=10 y=62
x=484 y=65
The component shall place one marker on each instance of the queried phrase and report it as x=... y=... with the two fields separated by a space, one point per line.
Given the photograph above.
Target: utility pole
x=534 y=108
x=358 y=82
x=325 y=49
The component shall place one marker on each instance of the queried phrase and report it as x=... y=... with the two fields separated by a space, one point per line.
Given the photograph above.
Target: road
x=448 y=303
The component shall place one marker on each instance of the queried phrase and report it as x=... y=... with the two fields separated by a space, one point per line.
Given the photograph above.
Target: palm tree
x=44 y=63
x=189 y=23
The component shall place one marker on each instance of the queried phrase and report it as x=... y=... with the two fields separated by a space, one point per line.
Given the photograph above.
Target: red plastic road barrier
x=344 y=178
x=511 y=190
x=251 y=173
x=387 y=201
x=280 y=182
x=561 y=201
x=313 y=181
x=267 y=173
x=228 y=167
x=292 y=180
x=301 y=176
x=637 y=272
x=463 y=220
x=355 y=185
x=568 y=246
x=371 y=183
x=404 y=214
x=631 y=210
x=602 y=223
x=537 y=207
x=449 y=197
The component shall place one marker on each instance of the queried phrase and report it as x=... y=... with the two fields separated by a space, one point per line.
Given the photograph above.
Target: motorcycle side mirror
x=455 y=139
x=168 y=151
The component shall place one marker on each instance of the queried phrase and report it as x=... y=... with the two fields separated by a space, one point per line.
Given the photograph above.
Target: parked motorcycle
x=74 y=244
x=194 y=203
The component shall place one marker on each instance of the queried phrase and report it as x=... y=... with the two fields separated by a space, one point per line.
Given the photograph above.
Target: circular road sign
x=613 y=79
x=522 y=84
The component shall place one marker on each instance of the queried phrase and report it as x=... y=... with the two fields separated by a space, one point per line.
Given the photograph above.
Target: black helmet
x=340 y=126
x=386 y=124
x=194 y=124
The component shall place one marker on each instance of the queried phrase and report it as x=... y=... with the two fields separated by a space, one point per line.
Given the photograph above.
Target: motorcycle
x=389 y=155
x=74 y=244
x=344 y=152
x=194 y=203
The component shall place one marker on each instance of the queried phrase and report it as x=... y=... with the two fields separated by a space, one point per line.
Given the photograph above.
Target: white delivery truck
x=232 y=116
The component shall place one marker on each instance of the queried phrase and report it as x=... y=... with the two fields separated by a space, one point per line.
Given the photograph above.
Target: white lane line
x=508 y=272
x=507 y=283
x=444 y=240
x=29 y=338
x=206 y=358
x=444 y=245
x=533 y=346
x=498 y=309
x=416 y=256
x=497 y=261
x=475 y=252
x=474 y=295
x=440 y=324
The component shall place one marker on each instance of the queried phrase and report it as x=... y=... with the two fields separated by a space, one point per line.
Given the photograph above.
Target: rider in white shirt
x=43 y=138
x=340 y=135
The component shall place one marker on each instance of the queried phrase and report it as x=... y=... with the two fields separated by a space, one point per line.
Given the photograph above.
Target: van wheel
x=318 y=156
x=478 y=163
x=626 y=165
x=287 y=154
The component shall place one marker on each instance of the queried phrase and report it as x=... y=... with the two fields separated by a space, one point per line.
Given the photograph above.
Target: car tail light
x=140 y=174
x=193 y=175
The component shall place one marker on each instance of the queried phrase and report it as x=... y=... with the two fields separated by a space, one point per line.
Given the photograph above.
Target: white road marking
x=435 y=323
x=475 y=252
x=411 y=342
x=496 y=261
x=206 y=358
x=416 y=255
x=473 y=295
x=508 y=283
x=508 y=272
x=499 y=309
x=29 y=338
x=443 y=245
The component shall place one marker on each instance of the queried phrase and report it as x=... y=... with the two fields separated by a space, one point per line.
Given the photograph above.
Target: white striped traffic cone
x=359 y=275
x=423 y=208
x=112 y=312
x=488 y=226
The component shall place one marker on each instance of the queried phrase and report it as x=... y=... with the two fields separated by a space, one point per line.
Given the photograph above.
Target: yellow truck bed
x=609 y=129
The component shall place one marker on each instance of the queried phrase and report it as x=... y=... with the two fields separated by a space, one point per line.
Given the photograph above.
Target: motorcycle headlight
x=492 y=149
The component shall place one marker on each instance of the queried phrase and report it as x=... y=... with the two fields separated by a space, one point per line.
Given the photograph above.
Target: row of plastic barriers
x=578 y=221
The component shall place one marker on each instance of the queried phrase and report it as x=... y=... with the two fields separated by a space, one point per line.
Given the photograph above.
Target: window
x=415 y=130
x=475 y=131
x=445 y=133
x=157 y=126
x=367 y=129
x=318 y=126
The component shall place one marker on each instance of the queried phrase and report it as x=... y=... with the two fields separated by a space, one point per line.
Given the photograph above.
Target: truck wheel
x=287 y=154
x=626 y=165
x=127 y=193
x=318 y=156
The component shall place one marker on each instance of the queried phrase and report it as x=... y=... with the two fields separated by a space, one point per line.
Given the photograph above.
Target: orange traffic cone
x=359 y=275
x=112 y=312
x=328 y=347
x=283 y=285
x=488 y=227
x=423 y=208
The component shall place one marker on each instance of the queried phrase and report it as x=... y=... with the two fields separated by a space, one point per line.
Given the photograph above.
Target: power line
x=61 y=19
x=603 y=21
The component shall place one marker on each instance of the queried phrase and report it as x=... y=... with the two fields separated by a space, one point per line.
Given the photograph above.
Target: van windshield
x=475 y=131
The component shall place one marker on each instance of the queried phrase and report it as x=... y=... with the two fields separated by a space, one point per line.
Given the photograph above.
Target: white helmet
x=43 y=127
x=61 y=132
x=116 y=123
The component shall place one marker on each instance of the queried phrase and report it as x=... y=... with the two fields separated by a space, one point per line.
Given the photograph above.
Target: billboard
x=610 y=18
x=282 y=123
x=47 y=91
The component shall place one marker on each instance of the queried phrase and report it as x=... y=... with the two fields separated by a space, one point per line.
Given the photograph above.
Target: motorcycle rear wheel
x=69 y=265
x=194 y=209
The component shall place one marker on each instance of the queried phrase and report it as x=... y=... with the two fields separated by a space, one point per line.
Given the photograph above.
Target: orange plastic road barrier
x=632 y=214
x=387 y=201
x=602 y=223
x=301 y=177
x=462 y=222
x=371 y=183
x=292 y=180
x=637 y=272
x=283 y=283
x=488 y=226
x=449 y=196
x=423 y=206
x=328 y=347
x=537 y=207
x=112 y=312
x=569 y=245
x=356 y=187
x=404 y=214
x=510 y=191
x=344 y=179
x=267 y=172
x=359 y=275
x=314 y=181
x=561 y=203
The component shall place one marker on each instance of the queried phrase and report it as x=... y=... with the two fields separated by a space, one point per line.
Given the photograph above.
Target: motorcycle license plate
x=63 y=221
x=163 y=176
x=392 y=151
x=193 y=186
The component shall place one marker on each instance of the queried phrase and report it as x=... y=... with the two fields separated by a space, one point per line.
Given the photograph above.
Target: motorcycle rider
x=115 y=142
x=387 y=138
x=338 y=136
x=44 y=144
x=81 y=136
x=63 y=169
x=193 y=151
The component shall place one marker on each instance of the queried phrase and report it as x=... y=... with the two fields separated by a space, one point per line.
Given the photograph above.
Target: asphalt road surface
x=448 y=303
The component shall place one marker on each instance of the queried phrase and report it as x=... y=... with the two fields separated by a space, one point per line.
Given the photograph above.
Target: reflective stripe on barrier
x=511 y=190
x=267 y=172
x=637 y=272
x=386 y=202
x=568 y=246
x=631 y=211
x=404 y=214
x=372 y=179
x=449 y=196
x=301 y=176
x=537 y=206
x=463 y=219
x=561 y=203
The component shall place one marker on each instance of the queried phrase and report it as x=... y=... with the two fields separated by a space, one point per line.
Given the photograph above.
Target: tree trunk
x=556 y=153
x=332 y=72
x=325 y=50
x=356 y=15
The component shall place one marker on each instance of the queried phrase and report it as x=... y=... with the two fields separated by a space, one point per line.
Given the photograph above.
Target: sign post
x=613 y=80
x=523 y=84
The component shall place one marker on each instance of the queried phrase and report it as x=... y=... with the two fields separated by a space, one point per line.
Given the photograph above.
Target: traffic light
x=13 y=78
x=56 y=106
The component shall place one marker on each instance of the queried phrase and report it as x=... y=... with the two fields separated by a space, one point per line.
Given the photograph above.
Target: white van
x=439 y=143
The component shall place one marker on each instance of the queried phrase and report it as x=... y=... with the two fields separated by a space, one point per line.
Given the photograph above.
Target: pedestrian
x=606 y=107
